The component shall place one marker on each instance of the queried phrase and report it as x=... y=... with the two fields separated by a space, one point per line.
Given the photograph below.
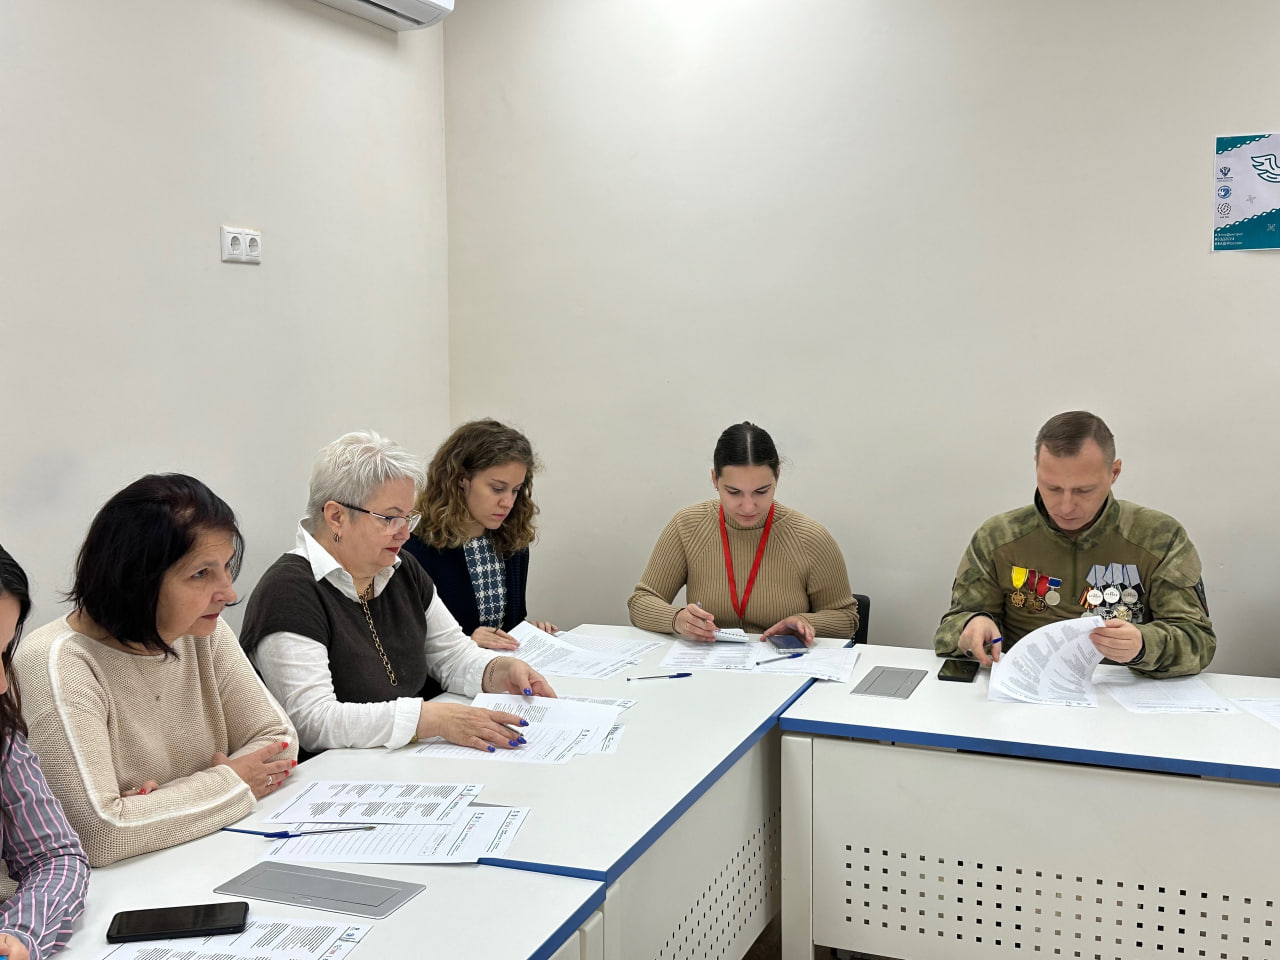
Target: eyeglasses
x=394 y=524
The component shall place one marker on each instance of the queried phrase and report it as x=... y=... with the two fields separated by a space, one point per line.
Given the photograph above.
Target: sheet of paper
x=697 y=655
x=628 y=647
x=558 y=657
x=550 y=710
x=1139 y=694
x=263 y=938
x=1053 y=665
x=375 y=801
x=732 y=635
x=821 y=663
x=608 y=741
x=605 y=701
x=547 y=743
x=1263 y=708
x=482 y=832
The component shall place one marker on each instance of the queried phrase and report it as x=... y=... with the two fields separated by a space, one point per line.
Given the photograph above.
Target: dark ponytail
x=13 y=583
x=745 y=445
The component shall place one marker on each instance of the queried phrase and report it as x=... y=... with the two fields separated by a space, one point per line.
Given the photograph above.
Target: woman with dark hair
x=745 y=560
x=39 y=847
x=477 y=524
x=353 y=637
x=150 y=723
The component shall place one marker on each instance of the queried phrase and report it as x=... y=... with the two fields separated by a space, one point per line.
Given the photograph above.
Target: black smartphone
x=164 y=923
x=785 y=643
x=961 y=671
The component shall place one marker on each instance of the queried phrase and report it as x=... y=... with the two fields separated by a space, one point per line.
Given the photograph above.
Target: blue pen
x=287 y=834
x=785 y=656
x=662 y=676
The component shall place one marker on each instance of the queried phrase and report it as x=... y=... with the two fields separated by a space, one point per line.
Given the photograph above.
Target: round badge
x=1130 y=595
x=1111 y=595
x=1053 y=598
x=1094 y=597
x=1038 y=605
x=1018 y=599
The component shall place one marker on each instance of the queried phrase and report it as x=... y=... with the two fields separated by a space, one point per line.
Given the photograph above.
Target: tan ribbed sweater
x=802 y=572
x=104 y=721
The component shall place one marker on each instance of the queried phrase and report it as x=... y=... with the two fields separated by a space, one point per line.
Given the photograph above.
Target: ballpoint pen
x=286 y=834
x=785 y=656
x=661 y=676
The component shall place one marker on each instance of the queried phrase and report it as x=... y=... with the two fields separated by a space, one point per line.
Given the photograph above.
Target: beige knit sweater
x=104 y=721
x=802 y=572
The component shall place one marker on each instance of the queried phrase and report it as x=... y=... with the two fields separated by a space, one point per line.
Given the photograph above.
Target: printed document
x=558 y=730
x=697 y=655
x=621 y=704
x=1053 y=664
x=732 y=635
x=376 y=801
x=821 y=663
x=628 y=647
x=481 y=832
x=560 y=657
x=263 y=938
x=1139 y=694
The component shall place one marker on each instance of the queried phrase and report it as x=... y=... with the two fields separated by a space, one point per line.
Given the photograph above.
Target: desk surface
x=958 y=715
x=593 y=816
x=517 y=915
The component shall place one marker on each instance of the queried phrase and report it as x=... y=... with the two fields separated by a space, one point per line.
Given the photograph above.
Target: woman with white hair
x=352 y=637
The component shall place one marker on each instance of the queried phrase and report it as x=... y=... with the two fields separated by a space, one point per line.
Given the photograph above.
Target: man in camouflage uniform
x=1078 y=551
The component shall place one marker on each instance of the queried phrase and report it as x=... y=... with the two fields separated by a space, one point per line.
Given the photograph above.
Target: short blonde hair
x=351 y=468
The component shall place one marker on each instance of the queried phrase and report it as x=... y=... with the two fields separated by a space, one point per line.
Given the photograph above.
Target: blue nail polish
x=514 y=743
x=524 y=723
x=523 y=740
x=528 y=692
x=491 y=748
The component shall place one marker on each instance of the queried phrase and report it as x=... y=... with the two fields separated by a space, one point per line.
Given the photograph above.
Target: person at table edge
x=1078 y=551
x=745 y=560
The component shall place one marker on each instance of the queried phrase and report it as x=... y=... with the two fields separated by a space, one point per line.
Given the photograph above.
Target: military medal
x=1053 y=598
x=1122 y=613
x=1094 y=597
x=1129 y=595
x=1111 y=594
x=1019 y=577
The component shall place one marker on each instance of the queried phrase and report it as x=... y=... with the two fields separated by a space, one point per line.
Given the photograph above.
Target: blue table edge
x=1039 y=751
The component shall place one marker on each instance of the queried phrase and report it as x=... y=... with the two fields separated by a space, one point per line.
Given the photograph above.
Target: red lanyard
x=755 y=567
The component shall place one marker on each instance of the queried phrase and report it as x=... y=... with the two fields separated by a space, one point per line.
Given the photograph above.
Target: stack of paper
x=1053 y=664
x=558 y=731
x=412 y=823
x=263 y=938
x=576 y=654
x=1139 y=694
x=732 y=635
x=700 y=655
x=822 y=663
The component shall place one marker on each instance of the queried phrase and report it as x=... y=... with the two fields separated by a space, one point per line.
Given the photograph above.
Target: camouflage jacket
x=1172 y=612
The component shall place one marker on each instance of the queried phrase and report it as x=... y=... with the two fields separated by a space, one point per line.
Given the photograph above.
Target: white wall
x=131 y=131
x=899 y=234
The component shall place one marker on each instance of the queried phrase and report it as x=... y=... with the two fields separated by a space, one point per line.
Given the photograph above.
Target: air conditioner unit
x=397 y=14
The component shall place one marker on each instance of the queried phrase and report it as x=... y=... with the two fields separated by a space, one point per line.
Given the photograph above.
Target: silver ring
x=271 y=781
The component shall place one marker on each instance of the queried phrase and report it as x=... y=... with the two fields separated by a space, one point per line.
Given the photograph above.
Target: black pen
x=662 y=676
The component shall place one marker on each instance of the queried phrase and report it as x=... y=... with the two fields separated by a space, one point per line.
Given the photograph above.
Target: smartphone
x=785 y=643
x=961 y=671
x=163 y=923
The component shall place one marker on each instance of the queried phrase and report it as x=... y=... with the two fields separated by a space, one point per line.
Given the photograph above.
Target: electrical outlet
x=241 y=245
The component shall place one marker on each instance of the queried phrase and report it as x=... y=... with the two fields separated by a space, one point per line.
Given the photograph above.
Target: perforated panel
x=709 y=885
x=734 y=900
x=938 y=854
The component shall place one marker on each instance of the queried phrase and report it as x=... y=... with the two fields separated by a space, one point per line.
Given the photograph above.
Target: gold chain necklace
x=373 y=631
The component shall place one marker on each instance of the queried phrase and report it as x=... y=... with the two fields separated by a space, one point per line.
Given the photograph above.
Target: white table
x=466 y=909
x=682 y=824
x=945 y=825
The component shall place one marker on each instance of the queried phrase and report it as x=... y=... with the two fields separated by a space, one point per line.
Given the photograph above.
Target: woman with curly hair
x=477 y=523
